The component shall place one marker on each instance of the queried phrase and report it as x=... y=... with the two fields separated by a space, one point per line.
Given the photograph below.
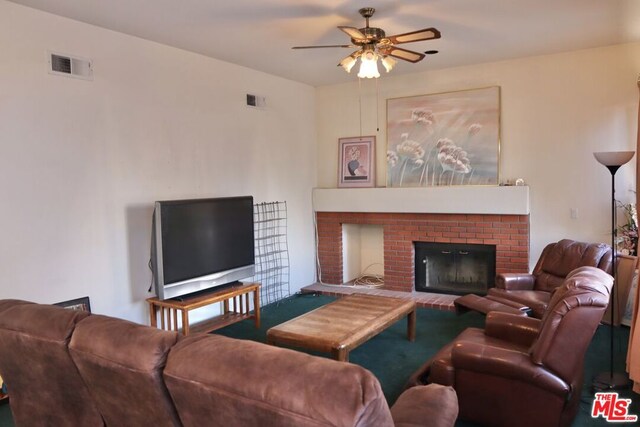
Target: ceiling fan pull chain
x=377 y=107
x=360 y=102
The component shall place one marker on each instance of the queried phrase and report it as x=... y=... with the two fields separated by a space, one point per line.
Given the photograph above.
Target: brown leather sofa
x=69 y=368
x=520 y=370
x=556 y=261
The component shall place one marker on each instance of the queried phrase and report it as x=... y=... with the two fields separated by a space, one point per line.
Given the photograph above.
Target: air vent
x=256 y=101
x=61 y=64
x=70 y=66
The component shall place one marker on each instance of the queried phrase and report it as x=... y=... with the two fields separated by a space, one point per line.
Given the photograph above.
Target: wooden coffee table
x=342 y=325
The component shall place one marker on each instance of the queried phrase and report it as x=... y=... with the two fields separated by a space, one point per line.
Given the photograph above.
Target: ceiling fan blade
x=353 y=55
x=400 y=53
x=320 y=47
x=352 y=32
x=415 y=36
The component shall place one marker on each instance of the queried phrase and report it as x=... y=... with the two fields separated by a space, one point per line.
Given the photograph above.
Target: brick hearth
x=510 y=234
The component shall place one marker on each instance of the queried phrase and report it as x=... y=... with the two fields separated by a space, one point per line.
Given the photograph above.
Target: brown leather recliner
x=556 y=261
x=520 y=370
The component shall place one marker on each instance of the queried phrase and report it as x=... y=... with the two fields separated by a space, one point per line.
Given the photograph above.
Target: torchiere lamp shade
x=613 y=158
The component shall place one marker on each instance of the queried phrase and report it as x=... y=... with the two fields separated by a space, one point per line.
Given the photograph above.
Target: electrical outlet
x=574 y=213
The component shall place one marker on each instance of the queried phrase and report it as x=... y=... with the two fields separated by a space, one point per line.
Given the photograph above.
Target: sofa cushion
x=220 y=381
x=434 y=405
x=44 y=383
x=118 y=358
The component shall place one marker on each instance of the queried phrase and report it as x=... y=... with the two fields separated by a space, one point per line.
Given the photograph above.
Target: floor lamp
x=612 y=160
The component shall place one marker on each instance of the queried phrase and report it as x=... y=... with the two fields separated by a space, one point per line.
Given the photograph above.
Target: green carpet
x=5 y=415
x=392 y=358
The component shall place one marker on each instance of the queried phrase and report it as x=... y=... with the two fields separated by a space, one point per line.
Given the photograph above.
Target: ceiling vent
x=70 y=66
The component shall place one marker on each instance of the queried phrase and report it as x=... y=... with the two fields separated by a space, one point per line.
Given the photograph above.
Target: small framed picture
x=356 y=166
x=81 y=304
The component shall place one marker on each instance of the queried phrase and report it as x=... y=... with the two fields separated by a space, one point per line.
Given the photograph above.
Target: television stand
x=167 y=310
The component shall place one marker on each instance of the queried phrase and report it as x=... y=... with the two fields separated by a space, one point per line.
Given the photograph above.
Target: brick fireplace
x=509 y=233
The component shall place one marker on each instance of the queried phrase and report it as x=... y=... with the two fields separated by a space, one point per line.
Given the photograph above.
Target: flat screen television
x=200 y=244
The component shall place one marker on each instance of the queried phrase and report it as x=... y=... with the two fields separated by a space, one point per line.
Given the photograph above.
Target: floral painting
x=356 y=164
x=444 y=139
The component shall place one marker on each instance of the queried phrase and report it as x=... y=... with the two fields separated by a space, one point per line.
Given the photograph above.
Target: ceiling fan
x=373 y=43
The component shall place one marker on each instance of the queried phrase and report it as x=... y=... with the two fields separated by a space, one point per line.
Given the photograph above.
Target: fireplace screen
x=454 y=268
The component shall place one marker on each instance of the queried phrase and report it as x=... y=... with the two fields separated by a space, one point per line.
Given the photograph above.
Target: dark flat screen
x=206 y=236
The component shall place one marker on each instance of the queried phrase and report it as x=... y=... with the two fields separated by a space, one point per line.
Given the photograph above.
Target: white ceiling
x=260 y=33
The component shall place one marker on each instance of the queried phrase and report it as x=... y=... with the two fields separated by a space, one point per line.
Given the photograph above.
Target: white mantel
x=512 y=200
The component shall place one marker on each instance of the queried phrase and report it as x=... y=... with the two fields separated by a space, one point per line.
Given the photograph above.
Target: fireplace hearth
x=454 y=268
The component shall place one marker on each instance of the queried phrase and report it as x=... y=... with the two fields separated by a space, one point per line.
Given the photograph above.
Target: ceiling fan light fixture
x=369 y=65
x=372 y=43
x=348 y=63
x=388 y=63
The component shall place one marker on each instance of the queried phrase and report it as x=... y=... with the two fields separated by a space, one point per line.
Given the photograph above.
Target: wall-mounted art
x=356 y=165
x=80 y=304
x=443 y=139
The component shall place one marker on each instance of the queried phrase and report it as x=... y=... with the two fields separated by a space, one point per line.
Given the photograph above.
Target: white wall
x=82 y=162
x=556 y=111
x=372 y=252
x=351 y=250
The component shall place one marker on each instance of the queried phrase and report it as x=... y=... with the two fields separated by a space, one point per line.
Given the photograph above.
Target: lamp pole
x=612 y=160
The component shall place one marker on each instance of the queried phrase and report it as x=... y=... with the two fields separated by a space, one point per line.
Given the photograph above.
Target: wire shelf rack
x=272 y=251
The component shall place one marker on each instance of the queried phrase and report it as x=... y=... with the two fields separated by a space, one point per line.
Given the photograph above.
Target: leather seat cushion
x=484 y=305
x=441 y=369
x=536 y=300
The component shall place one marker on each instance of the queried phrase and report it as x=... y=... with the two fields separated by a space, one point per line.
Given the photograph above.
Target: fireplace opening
x=454 y=268
x=362 y=251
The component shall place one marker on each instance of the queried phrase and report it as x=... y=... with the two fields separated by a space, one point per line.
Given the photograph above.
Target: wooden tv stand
x=168 y=309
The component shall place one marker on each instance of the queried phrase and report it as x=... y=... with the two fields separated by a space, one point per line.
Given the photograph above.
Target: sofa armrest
x=509 y=327
x=506 y=363
x=515 y=281
x=432 y=405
